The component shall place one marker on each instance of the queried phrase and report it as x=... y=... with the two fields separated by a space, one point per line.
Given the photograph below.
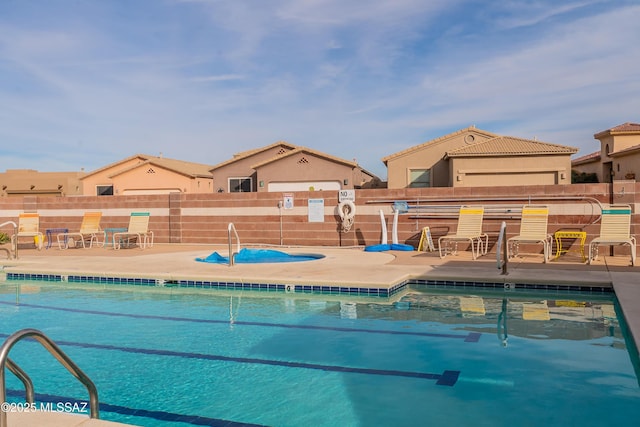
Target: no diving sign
x=344 y=195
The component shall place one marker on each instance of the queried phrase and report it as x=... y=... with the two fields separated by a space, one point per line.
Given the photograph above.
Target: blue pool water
x=257 y=256
x=166 y=357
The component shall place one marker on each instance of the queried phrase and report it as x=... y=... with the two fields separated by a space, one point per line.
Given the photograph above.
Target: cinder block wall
x=204 y=218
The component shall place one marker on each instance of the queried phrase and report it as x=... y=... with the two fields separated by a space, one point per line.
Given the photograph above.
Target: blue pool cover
x=392 y=247
x=257 y=256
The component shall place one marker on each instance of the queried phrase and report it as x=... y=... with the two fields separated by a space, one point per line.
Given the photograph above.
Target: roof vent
x=303 y=160
x=150 y=170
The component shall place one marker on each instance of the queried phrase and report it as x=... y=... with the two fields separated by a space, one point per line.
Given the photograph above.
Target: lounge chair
x=615 y=227
x=137 y=233
x=469 y=230
x=28 y=226
x=533 y=229
x=89 y=232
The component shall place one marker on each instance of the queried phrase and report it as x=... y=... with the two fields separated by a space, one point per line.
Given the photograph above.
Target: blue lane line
x=144 y=413
x=470 y=337
x=449 y=377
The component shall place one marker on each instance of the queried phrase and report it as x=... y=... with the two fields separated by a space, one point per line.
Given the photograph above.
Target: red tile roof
x=620 y=129
x=588 y=158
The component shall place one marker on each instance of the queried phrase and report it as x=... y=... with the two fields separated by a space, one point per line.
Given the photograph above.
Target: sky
x=85 y=83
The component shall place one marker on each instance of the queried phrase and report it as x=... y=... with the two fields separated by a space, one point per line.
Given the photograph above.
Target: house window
x=419 y=178
x=104 y=190
x=240 y=185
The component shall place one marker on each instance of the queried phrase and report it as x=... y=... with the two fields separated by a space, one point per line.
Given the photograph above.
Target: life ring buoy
x=346 y=209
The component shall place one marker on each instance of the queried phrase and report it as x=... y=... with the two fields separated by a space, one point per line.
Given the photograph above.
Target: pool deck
x=350 y=267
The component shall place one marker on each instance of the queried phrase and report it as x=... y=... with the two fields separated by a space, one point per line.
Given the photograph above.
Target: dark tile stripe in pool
x=448 y=378
x=468 y=337
x=204 y=284
x=472 y=284
x=313 y=289
x=143 y=413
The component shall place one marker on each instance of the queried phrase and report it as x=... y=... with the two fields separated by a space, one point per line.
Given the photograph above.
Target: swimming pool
x=168 y=357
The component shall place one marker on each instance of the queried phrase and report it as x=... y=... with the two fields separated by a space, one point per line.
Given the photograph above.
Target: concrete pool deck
x=343 y=266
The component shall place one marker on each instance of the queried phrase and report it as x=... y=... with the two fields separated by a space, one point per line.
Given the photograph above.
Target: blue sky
x=87 y=83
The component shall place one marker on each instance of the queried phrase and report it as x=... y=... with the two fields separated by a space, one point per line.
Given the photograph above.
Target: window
x=104 y=190
x=239 y=185
x=419 y=178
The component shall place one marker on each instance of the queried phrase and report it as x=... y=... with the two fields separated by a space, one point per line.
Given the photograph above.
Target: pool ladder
x=55 y=351
x=232 y=254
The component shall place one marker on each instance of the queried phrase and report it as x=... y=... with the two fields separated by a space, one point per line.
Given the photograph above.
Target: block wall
x=204 y=218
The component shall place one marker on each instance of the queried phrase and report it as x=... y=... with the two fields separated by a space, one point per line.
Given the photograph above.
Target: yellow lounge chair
x=533 y=229
x=89 y=232
x=469 y=230
x=615 y=227
x=28 y=226
x=137 y=231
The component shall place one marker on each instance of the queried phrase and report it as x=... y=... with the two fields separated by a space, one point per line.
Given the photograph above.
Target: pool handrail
x=231 y=253
x=56 y=352
x=502 y=257
x=24 y=378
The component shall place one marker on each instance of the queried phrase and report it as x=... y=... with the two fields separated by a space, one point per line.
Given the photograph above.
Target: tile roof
x=628 y=150
x=305 y=150
x=179 y=166
x=510 y=146
x=620 y=129
x=189 y=169
x=248 y=153
x=587 y=158
x=437 y=140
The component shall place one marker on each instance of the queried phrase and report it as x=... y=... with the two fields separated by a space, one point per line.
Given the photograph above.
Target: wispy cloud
x=85 y=84
x=219 y=78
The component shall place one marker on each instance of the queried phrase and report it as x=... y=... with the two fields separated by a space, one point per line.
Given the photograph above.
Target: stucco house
x=588 y=165
x=29 y=182
x=620 y=151
x=282 y=166
x=144 y=174
x=618 y=157
x=473 y=157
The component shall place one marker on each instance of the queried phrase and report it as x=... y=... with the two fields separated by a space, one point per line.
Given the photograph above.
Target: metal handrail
x=502 y=256
x=14 y=240
x=232 y=254
x=26 y=381
x=504 y=207
x=56 y=352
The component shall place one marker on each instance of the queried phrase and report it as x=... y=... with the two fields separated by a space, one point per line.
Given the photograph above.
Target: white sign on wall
x=288 y=201
x=316 y=210
x=347 y=195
